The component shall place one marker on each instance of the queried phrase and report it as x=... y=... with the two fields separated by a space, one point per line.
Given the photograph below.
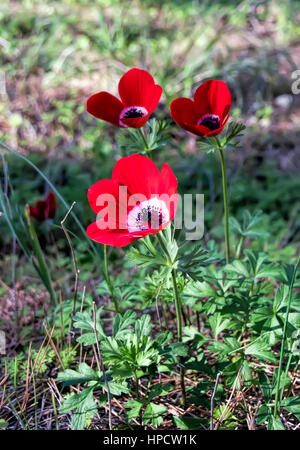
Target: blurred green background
x=55 y=54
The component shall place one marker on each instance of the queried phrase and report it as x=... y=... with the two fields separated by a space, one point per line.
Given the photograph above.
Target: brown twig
x=61 y=317
x=81 y=308
x=54 y=348
x=224 y=413
x=26 y=393
x=212 y=402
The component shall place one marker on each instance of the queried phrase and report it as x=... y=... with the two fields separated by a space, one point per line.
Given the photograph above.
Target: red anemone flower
x=208 y=113
x=44 y=209
x=137 y=201
x=139 y=97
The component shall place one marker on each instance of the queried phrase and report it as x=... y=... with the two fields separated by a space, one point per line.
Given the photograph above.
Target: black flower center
x=210 y=121
x=133 y=112
x=149 y=217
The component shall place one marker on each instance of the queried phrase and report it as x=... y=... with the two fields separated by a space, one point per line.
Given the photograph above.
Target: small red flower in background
x=139 y=97
x=44 y=209
x=134 y=219
x=208 y=113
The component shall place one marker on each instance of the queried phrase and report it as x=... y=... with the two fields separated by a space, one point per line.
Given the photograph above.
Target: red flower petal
x=107 y=201
x=199 y=130
x=168 y=181
x=105 y=106
x=51 y=205
x=201 y=99
x=214 y=97
x=101 y=187
x=136 y=122
x=168 y=188
x=138 y=173
x=115 y=238
x=108 y=237
x=137 y=88
x=183 y=111
x=38 y=210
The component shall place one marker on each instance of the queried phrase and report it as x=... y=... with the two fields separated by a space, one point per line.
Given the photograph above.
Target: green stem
x=146 y=147
x=38 y=253
x=239 y=247
x=283 y=339
x=226 y=209
x=179 y=333
x=108 y=280
x=164 y=247
x=178 y=307
x=136 y=384
x=286 y=370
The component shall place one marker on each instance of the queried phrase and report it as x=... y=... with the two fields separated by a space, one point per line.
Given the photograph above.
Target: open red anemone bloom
x=139 y=97
x=208 y=113
x=138 y=200
x=44 y=209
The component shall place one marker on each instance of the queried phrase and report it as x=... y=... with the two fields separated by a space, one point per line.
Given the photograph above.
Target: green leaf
x=266 y=386
x=264 y=414
x=158 y=390
x=177 y=349
x=268 y=271
x=163 y=338
x=121 y=324
x=200 y=365
x=85 y=321
x=218 y=323
x=116 y=387
x=87 y=339
x=75 y=400
x=3 y=424
x=187 y=423
x=258 y=349
x=121 y=371
x=204 y=289
x=292 y=405
x=275 y=424
x=251 y=225
x=84 y=374
x=238 y=267
x=143 y=326
x=135 y=407
x=153 y=413
x=84 y=413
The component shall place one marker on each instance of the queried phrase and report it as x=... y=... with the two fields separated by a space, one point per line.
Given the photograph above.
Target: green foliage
x=152 y=137
x=228 y=142
x=152 y=412
x=17 y=366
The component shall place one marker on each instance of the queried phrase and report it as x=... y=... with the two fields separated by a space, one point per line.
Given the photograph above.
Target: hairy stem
x=179 y=333
x=108 y=280
x=226 y=209
x=146 y=147
x=178 y=307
